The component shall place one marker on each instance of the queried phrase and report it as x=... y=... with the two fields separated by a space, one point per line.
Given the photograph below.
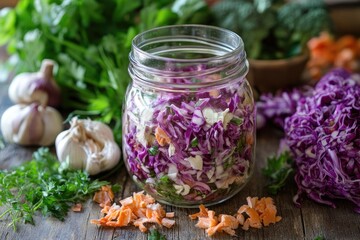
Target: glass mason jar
x=189 y=115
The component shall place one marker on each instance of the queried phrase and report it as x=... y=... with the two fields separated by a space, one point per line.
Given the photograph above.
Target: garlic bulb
x=37 y=87
x=31 y=124
x=88 y=145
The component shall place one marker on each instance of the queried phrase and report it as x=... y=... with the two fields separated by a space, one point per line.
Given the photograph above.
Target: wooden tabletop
x=308 y=222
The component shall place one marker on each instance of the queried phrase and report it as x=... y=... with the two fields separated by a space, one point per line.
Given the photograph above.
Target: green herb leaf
x=153 y=150
x=164 y=187
x=38 y=185
x=237 y=121
x=278 y=170
x=155 y=235
x=194 y=142
x=319 y=238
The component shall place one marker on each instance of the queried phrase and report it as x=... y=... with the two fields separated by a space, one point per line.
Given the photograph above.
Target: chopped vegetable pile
x=257 y=213
x=327 y=52
x=39 y=185
x=323 y=133
x=190 y=148
x=136 y=210
x=324 y=137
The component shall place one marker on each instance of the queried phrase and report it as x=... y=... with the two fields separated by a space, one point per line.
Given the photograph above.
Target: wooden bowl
x=272 y=75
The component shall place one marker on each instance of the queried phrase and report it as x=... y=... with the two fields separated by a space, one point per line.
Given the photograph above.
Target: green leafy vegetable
x=273 y=29
x=278 y=170
x=39 y=185
x=155 y=235
x=90 y=40
x=319 y=238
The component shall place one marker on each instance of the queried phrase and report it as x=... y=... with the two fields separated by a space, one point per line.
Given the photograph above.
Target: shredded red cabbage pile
x=212 y=142
x=276 y=107
x=324 y=137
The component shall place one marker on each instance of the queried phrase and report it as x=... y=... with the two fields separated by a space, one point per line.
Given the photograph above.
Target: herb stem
x=4 y=213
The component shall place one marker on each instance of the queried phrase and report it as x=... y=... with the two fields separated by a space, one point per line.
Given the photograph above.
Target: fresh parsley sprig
x=278 y=170
x=155 y=235
x=39 y=185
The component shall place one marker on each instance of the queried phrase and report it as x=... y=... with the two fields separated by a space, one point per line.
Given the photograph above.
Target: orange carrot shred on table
x=207 y=222
x=227 y=224
x=203 y=213
x=135 y=210
x=260 y=212
x=256 y=214
x=77 y=207
x=104 y=197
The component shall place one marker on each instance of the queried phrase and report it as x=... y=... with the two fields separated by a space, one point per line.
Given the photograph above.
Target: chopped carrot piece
x=251 y=201
x=136 y=210
x=104 y=197
x=256 y=213
x=325 y=53
x=161 y=137
x=170 y=214
x=240 y=218
x=77 y=207
x=346 y=41
x=167 y=222
x=139 y=223
x=259 y=213
x=207 y=222
x=203 y=213
x=254 y=218
x=127 y=201
x=227 y=224
x=246 y=225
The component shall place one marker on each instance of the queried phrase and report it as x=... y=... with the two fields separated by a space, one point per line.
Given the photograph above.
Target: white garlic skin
x=31 y=125
x=88 y=145
x=39 y=87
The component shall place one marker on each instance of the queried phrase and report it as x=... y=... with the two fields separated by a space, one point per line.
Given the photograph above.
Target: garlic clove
x=10 y=124
x=52 y=125
x=31 y=129
x=67 y=149
x=102 y=131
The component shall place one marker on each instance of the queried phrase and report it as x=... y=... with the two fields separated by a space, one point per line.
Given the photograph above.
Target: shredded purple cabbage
x=324 y=136
x=212 y=136
x=275 y=108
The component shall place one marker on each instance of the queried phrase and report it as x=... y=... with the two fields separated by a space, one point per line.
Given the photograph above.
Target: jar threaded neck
x=187 y=57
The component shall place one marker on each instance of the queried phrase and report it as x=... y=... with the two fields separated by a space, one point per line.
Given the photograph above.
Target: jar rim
x=237 y=49
x=205 y=51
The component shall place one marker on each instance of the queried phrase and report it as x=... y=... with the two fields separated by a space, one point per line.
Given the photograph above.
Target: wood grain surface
x=308 y=222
